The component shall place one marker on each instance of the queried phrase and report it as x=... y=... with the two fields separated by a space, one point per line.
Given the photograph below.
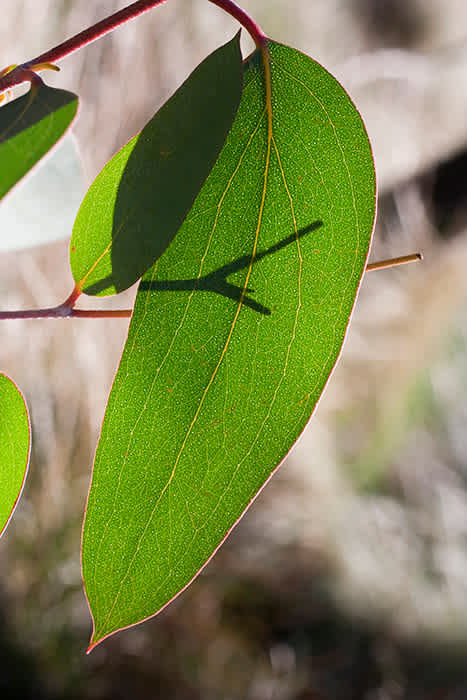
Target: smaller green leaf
x=15 y=445
x=29 y=127
x=138 y=202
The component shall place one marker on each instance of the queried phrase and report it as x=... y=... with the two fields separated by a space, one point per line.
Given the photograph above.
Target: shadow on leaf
x=31 y=109
x=216 y=281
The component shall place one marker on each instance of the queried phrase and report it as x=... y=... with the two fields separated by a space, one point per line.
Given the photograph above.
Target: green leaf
x=138 y=202
x=235 y=332
x=29 y=127
x=15 y=441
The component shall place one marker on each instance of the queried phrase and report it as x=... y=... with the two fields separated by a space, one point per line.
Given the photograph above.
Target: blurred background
x=348 y=577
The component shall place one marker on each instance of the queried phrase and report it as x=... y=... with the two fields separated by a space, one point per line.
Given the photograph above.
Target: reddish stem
x=63 y=311
x=87 y=36
x=73 y=298
x=66 y=310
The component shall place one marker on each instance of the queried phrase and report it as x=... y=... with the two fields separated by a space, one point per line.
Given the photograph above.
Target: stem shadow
x=216 y=281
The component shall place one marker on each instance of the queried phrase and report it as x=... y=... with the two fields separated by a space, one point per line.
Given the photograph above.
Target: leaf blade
x=15 y=438
x=139 y=200
x=230 y=347
x=29 y=127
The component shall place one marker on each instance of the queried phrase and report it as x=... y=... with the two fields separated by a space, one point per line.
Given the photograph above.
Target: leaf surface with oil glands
x=15 y=447
x=141 y=197
x=235 y=332
x=29 y=127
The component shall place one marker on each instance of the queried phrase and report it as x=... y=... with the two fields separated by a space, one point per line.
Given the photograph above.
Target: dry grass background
x=348 y=577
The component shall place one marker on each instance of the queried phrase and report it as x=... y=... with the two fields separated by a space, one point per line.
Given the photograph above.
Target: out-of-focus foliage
x=42 y=208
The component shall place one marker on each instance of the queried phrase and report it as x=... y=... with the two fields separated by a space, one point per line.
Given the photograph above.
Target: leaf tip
x=98 y=637
x=92 y=645
x=95 y=639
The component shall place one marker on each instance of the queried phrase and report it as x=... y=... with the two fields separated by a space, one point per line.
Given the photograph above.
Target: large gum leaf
x=15 y=442
x=29 y=127
x=235 y=332
x=141 y=197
